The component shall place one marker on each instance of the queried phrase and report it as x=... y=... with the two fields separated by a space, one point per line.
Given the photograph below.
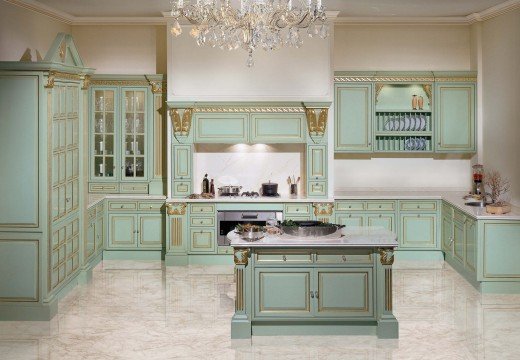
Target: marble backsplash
x=249 y=165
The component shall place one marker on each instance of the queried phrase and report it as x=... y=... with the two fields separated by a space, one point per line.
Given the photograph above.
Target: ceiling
x=347 y=8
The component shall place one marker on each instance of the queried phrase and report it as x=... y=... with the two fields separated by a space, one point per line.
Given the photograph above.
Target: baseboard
x=133 y=255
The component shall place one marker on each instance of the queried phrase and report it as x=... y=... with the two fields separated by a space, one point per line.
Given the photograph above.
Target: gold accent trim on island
x=386 y=256
x=176 y=208
x=323 y=208
x=241 y=256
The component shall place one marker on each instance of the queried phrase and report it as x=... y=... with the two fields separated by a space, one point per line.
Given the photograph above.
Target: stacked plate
x=415 y=144
x=408 y=123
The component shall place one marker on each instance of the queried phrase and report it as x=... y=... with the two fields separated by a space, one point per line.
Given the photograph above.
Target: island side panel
x=387 y=325
x=241 y=321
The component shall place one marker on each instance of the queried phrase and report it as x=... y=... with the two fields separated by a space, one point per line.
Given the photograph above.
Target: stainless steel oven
x=227 y=220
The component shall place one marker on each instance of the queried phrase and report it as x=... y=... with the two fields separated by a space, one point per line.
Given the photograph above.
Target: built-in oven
x=227 y=220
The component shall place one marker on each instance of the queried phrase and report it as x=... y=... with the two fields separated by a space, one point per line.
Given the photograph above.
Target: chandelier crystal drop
x=265 y=24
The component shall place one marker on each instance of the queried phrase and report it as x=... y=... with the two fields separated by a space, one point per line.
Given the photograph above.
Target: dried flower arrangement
x=498 y=186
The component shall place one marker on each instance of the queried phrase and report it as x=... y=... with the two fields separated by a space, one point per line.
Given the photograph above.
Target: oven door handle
x=249 y=216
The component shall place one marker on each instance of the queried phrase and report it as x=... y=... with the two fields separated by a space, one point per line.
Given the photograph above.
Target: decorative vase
x=414 y=102
x=498 y=209
x=420 y=102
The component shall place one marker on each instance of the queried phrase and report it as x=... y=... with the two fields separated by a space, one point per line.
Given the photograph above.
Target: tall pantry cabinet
x=42 y=206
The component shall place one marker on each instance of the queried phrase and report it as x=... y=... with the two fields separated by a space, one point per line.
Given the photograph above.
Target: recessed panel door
x=151 y=231
x=122 y=231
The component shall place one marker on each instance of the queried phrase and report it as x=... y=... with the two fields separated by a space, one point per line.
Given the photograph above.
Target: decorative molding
x=239 y=300
x=176 y=209
x=383 y=79
x=456 y=79
x=493 y=11
x=428 y=90
x=86 y=82
x=387 y=256
x=181 y=125
x=379 y=87
x=50 y=80
x=317 y=125
x=250 y=109
x=157 y=86
x=97 y=82
x=323 y=209
x=388 y=289
x=40 y=8
x=241 y=256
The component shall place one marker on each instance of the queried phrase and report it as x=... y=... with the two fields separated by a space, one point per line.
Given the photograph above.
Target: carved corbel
x=317 y=124
x=181 y=124
x=50 y=80
x=86 y=82
x=323 y=209
x=379 y=87
x=428 y=90
x=176 y=209
x=386 y=256
x=241 y=256
x=157 y=87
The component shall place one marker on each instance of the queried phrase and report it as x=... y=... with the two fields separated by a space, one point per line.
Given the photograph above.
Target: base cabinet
x=313 y=292
x=418 y=230
x=122 y=231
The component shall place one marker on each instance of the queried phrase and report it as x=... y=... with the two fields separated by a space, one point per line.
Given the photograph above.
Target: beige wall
x=114 y=49
x=21 y=29
x=500 y=79
x=402 y=48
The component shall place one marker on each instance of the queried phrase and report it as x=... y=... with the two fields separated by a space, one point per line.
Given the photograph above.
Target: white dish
x=413 y=121
x=401 y=124
x=389 y=125
x=407 y=123
x=423 y=123
x=409 y=144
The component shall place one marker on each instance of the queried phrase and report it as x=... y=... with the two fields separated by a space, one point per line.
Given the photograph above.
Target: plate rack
x=404 y=131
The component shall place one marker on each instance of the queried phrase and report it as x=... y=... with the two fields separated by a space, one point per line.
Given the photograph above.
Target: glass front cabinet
x=122 y=120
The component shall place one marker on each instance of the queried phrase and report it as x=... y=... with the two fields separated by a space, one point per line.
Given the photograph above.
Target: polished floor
x=142 y=310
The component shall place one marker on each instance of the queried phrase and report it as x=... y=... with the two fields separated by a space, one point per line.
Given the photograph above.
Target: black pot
x=269 y=189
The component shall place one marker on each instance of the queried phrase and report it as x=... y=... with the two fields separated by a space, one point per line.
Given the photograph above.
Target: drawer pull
x=344 y=258
x=297 y=209
x=201 y=209
x=418 y=215
x=316 y=294
x=284 y=258
x=312 y=294
x=380 y=206
x=151 y=206
x=380 y=215
x=122 y=206
x=350 y=216
x=418 y=206
x=350 y=206
x=201 y=222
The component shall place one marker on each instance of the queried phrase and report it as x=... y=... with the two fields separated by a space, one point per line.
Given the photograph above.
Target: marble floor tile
x=144 y=310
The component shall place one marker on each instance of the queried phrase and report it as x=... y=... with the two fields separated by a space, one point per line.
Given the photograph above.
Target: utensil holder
x=294 y=189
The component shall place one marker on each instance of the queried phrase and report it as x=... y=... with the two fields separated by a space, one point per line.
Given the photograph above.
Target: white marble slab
x=260 y=199
x=359 y=236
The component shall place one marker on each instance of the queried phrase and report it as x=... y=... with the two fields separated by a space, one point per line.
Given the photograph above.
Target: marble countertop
x=455 y=198
x=359 y=236
x=260 y=199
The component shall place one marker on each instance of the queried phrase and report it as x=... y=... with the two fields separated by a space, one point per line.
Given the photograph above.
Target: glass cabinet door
x=133 y=127
x=104 y=134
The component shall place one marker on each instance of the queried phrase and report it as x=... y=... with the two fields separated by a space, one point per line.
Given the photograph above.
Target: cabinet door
x=278 y=128
x=385 y=220
x=133 y=129
x=455 y=109
x=317 y=188
x=103 y=146
x=353 y=118
x=202 y=240
x=343 y=292
x=100 y=232
x=151 y=231
x=316 y=162
x=122 y=231
x=182 y=162
x=221 y=128
x=458 y=241
x=91 y=240
x=471 y=245
x=418 y=230
x=350 y=219
x=283 y=292
x=447 y=234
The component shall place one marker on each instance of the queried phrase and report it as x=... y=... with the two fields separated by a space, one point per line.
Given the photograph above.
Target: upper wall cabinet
x=279 y=128
x=353 y=117
x=221 y=128
x=124 y=134
x=455 y=130
x=405 y=112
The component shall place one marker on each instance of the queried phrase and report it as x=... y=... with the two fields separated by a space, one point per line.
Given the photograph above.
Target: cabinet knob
x=316 y=294
x=418 y=206
x=438 y=143
x=380 y=206
x=200 y=209
x=201 y=221
x=312 y=294
x=344 y=258
x=350 y=207
x=418 y=215
x=151 y=207
x=121 y=206
x=369 y=143
x=67 y=200
x=284 y=258
x=350 y=216
x=297 y=209
x=380 y=215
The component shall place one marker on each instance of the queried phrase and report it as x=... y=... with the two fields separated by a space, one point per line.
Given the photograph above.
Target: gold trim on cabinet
x=388 y=289
x=317 y=125
x=382 y=79
x=239 y=300
x=176 y=232
x=241 y=256
x=181 y=126
x=86 y=82
x=37 y=275
x=176 y=208
x=96 y=82
x=250 y=109
x=379 y=87
x=386 y=256
x=323 y=208
x=484 y=268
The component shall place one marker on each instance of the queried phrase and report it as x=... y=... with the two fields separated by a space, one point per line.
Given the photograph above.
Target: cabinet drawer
x=202 y=209
x=418 y=205
x=225 y=250
x=150 y=206
x=277 y=257
x=134 y=188
x=103 y=188
x=181 y=188
x=381 y=206
x=297 y=209
x=202 y=221
x=323 y=257
x=317 y=188
x=350 y=206
x=116 y=205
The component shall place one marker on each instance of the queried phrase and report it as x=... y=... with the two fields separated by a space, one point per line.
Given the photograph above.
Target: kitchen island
x=330 y=285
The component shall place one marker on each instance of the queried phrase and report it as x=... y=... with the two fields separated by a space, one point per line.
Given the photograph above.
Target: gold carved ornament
x=86 y=82
x=157 y=87
x=176 y=209
x=181 y=126
x=317 y=125
x=379 y=87
x=62 y=52
x=428 y=90
x=323 y=209
x=248 y=109
x=50 y=80
x=387 y=256
x=240 y=256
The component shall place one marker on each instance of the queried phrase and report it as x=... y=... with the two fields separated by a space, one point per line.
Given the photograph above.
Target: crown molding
x=510 y=5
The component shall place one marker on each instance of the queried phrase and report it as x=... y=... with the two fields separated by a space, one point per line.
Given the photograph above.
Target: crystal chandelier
x=266 y=24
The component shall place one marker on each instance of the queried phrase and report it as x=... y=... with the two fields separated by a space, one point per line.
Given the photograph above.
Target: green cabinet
x=458 y=241
x=471 y=245
x=202 y=240
x=385 y=220
x=350 y=219
x=316 y=162
x=151 y=231
x=418 y=230
x=455 y=117
x=318 y=292
x=95 y=222
x=122 y=231
x=366 y=213
x=221 y=128
x=353 y=117
x=181 y=170
x=447 y=233
x=278 y=128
